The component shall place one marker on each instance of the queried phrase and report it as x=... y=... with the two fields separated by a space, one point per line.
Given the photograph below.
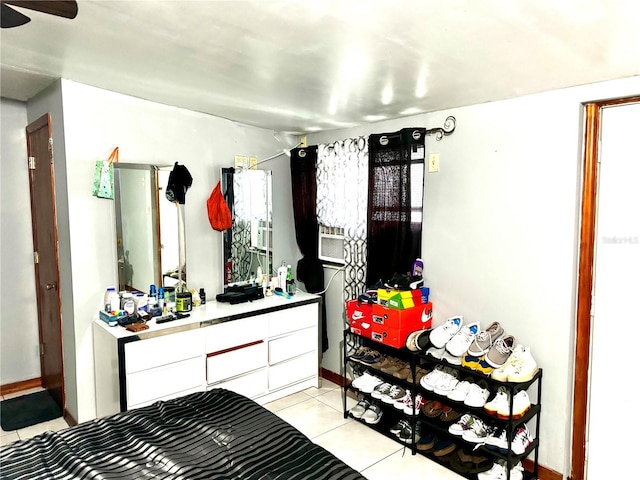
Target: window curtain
x=309 y=270
x=396 y=183
x=342 y=176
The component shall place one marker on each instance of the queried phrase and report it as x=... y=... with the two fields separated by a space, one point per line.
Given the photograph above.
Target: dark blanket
x=210 y=435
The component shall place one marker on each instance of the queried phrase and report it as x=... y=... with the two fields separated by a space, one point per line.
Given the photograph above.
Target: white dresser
x=265 y=349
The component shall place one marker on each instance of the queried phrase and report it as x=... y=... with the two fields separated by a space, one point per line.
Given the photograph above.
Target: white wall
x=19 y=357
x=501 y=226
x=97 y=120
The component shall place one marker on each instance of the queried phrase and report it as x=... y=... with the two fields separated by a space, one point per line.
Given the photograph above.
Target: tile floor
x=317 y=412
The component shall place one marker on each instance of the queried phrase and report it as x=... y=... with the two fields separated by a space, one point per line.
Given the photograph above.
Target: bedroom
x=479 y=158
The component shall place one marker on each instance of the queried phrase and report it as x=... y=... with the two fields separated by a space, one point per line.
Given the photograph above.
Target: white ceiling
x=308 y=65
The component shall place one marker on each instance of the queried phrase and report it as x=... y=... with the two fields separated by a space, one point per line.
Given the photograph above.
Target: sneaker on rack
x=485 y=339
x=483 y=366
x=500 y=351
x=459 y=393
x=429 y=381
x=502 y=373
x=469 y=361
x=478 y=395
x=397 y=428
x=523 y=366
x=372 y=357
x=522 y=438
x=366 y=377
x=405 y=401
x=395 y=393
x=478 y=432
x=380 y=390
x=436 y=353
x=498 y=471
x=373 y=415
x=359 y=408
x=521 y=405
x=452 y=359
x=463 y=338
x=414 y=407
x=465 y=423
x=499 y=402
x=360 y=353
x=497 y=440
x=368 y=386
x=441 y=334
x=448 y=381
x=407 y=436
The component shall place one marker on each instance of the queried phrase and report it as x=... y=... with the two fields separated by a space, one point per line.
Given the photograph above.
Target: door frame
x=591 y=158
x=45 y=122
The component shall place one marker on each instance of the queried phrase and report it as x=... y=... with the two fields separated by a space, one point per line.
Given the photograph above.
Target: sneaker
x=407 y=436
x=422 y=340
x=485 y=339
x=478 y=432
x=414 y=407
x=469 y=361
x=429 y=381
x=478 y=395
x=521 y=440
x=524 y=366
x=449 y=358
x=363 y=379
x=497 y=472
x=436 y=353
x=497 y=440
x=359 y=408
x=372 y=357
x=483 y=366
x=360 y=353
x=373 y=415
x=440 y=335
x=380 y=390
x=500 y=351
x=459 y=393
x=397 y=428
x=406 y=401
x=370 y=385
x=521 y=405
x=395 y=393
x=411 y=341
x=502 y=374
x=461 y=425
x=447 y=382
x=499 y=402
x=463 y=338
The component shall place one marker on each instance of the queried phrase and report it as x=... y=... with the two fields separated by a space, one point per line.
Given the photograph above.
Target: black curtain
x=303 y=187
x=393 y=239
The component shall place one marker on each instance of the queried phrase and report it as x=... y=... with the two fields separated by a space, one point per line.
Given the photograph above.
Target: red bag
x=218 y=210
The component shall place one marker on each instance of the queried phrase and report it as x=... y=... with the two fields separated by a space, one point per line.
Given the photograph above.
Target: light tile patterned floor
x=318 y=413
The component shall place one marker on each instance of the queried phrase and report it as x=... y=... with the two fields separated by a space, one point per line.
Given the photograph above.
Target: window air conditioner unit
x=331 y=245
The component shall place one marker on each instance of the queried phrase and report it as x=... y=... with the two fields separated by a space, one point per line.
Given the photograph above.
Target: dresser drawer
x=156 y=383
x=236 y=362
x=234 y=333
x=292 y=319
x=153 y=352
x=293 y=371
x=251 y=385
x=293 y=345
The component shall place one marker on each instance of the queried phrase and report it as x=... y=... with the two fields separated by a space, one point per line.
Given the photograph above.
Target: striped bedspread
x=210 y=435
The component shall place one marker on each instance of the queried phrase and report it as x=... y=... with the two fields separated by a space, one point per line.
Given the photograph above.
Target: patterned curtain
x=342 y=183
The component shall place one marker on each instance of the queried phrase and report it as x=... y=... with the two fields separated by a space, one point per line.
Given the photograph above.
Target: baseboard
x=543 y=472
x=72 y=422
x=20 y=386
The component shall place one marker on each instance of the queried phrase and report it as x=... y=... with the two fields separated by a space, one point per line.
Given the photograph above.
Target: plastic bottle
x=203 y=297
x=282 y=276
x=290 y=285
x=128 y=303
x=111 y=300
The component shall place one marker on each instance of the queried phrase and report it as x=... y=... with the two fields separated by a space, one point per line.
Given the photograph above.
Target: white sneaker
x=404 y=401
x=436 y=353
x=521 y=405
x=363 y=379
x=440 y=335
x=497 y=471
x=449 y=358
x=502 y=373
x=521 y=440
x=461 y=341
x=413 y=406
x=459 y=393
x=395 y=393
x=497 y=440
x=429 y=381
x=372 y=415
x=381 y=390
x=447 y=382
x=370 y=384
x=478 y=432
x=523 y=366
x=499 y=402
x=477 y=396
x=359 y=408
x=462 y=425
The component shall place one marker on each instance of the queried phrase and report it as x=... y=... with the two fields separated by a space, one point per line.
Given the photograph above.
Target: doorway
x=45 y=245
x=609 y=262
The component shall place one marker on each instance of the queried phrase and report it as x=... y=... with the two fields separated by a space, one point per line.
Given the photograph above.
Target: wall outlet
x=303 y=141
x=253 y=163
x=434 y=162
x=240 y=161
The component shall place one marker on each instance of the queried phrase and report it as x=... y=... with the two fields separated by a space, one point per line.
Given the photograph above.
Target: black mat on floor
x=27 y=410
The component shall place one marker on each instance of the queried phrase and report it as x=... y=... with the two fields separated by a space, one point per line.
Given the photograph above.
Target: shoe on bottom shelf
x=499 y=472
x=426 y=442
x=468 y=461
x=359 y=408
x=373 y=415
x=397 y=428
x=444 y=447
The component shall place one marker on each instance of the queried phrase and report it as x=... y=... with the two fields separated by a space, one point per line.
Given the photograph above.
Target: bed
x=217 y=434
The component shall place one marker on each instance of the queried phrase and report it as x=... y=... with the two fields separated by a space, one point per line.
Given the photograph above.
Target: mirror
x=248 y=244
x=146 y=228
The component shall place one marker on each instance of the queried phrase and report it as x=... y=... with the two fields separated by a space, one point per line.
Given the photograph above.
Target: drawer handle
x=227 y=350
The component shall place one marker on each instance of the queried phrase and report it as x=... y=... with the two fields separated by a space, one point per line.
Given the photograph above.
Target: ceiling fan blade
x=11 y=18
x=65 y=9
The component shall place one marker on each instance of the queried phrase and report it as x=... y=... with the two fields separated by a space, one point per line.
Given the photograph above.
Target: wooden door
x=45 y=245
